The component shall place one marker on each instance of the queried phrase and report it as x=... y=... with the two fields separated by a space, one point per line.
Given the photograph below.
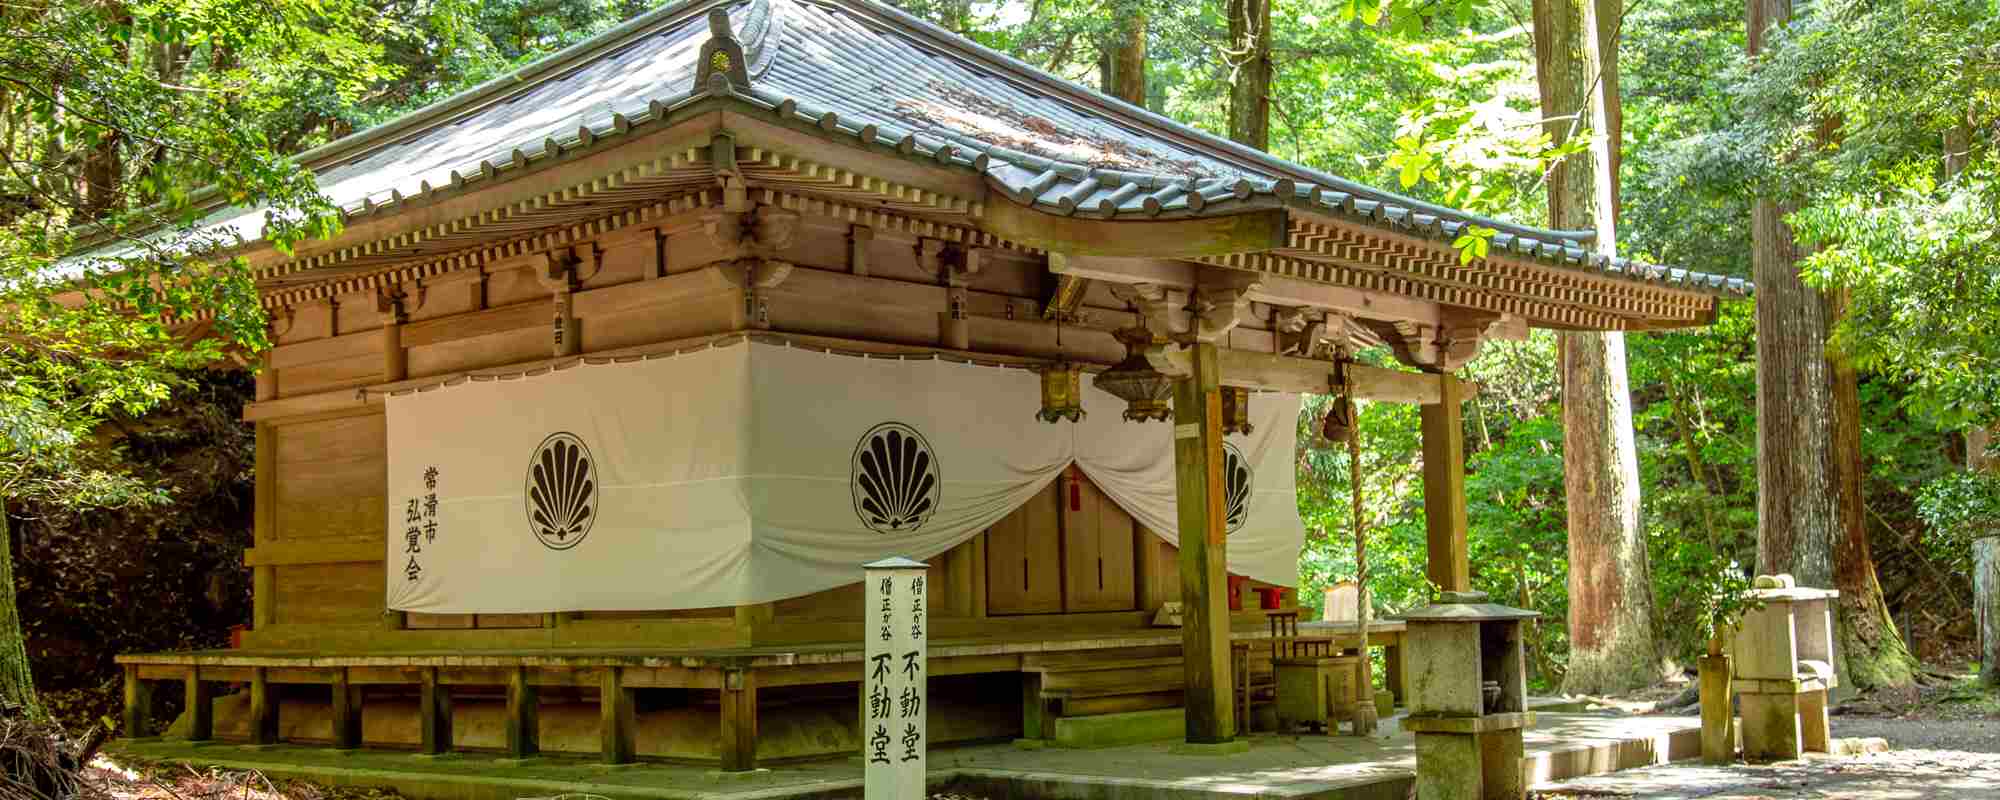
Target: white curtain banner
x=753 y=472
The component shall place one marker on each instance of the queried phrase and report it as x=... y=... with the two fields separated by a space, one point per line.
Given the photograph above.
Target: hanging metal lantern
x=1062 y=392
x=1148 y=393
x=1236 y=410
x=1339 y=423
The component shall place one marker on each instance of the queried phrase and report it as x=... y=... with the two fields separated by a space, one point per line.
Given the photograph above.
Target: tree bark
x=1123 y=69
x=1798 y=510
x=17 y=683
x=1250 y=57
x=1811 y=520
x=1612 y=647
x=1870 y=646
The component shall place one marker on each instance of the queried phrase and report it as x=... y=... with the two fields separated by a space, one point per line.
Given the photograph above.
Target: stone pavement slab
x=1894 y=775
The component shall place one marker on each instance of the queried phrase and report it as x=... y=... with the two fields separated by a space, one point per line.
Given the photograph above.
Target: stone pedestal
x=1783 y=657
x=1468 y=693
x=1316 y=691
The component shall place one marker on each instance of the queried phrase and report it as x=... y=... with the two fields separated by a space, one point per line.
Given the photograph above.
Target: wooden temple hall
x=575 y=439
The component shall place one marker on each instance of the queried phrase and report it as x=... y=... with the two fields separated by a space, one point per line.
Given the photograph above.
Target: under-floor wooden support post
x=524 y=718
x=1718 y=718
x=138 y=705
x=1444 y=488
x=739 y=720
x=1034 y=710
x=346 y=712
x=433 y=714
x=616 y=728
x=263 y=708
x=200 y=706
x=1211 y=714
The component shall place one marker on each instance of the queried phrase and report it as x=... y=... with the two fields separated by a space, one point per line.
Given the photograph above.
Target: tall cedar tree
x=1123 y=64
x=1612 y=647
x=1811 y=522
x=1249 y=57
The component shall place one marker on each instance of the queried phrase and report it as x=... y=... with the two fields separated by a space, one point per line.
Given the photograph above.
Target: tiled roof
x=859 y=69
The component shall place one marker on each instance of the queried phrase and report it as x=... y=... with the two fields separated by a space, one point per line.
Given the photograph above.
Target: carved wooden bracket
x=395 y=304
x=1443 y=347
x=758 y=233
x=1154 y=302
x=1220 y=303
x=280 y=322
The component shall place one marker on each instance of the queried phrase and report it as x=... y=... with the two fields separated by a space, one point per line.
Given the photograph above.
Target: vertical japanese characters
x=893 y=719
x=420 y=526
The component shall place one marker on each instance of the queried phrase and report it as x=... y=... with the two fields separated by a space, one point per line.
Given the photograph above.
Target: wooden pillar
x=1444 y=488
x=524 y=725
x=1034 y=710
x=138 y=705
x=1211 y=717
x=739 y=720
x=346 y=712
x=263 y=708
x=616 y=727
x=200 y=707
x=1718 y=719
x=433 y=714
x=752 y=619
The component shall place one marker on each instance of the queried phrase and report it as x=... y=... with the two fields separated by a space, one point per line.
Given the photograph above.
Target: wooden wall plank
x=1024 y=559
x=329 y=593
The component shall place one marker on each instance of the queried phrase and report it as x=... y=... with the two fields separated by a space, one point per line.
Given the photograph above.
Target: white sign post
x=894 y=690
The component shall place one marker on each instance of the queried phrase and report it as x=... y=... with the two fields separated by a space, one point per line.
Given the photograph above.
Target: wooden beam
x=616 y=726
x=1211 y=715
x=138 y=705
x=1261 y=229
x=433 y=714
x=346 y=711
x=345 y=550
x=1274 y=372
x=524 y=731
x=739 y=720
x=263 y=708
x=1444 y=488
x=200 y=706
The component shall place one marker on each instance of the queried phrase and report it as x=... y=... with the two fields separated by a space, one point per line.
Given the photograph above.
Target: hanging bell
x=1236 y=410
x=1339 y=423
x=1062 y=392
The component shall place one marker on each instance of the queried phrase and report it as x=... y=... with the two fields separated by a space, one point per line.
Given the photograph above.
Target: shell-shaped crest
x=895 y=479
x=561 y=491
x=1236 y=482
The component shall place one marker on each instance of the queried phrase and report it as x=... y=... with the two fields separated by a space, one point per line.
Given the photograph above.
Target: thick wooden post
x=739 y=720
x=433 y=714
x=524 y=732
x=1444 y=488
x=200 y=707
x=346 y=712
x=1034 y=710
x=1211 y=717
x=138 y=705
x=1718 y=719
x=263 y=708
x=617 y=724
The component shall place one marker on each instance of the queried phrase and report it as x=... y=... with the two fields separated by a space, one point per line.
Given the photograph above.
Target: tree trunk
x=1123 y=68
x=1612 y=647
x=17 y=683
x=1250 y=57
x=1870 y=646
x=1798 y=510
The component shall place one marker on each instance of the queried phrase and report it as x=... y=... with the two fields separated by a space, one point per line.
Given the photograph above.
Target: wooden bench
x=1053 y=683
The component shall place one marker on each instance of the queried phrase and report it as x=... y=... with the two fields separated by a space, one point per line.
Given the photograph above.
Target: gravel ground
x=1966 y=735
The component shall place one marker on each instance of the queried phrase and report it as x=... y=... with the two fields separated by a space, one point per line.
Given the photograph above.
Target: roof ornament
x=722 y=68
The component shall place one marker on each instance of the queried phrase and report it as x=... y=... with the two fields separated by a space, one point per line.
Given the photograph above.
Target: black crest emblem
x=894 y=479
x=1236 y=481
x=562 y=491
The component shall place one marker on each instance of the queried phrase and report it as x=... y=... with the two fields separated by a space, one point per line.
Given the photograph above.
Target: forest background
x=1436 y=98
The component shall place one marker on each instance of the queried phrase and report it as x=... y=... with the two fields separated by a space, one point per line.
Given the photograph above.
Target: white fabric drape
x=742 y=474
